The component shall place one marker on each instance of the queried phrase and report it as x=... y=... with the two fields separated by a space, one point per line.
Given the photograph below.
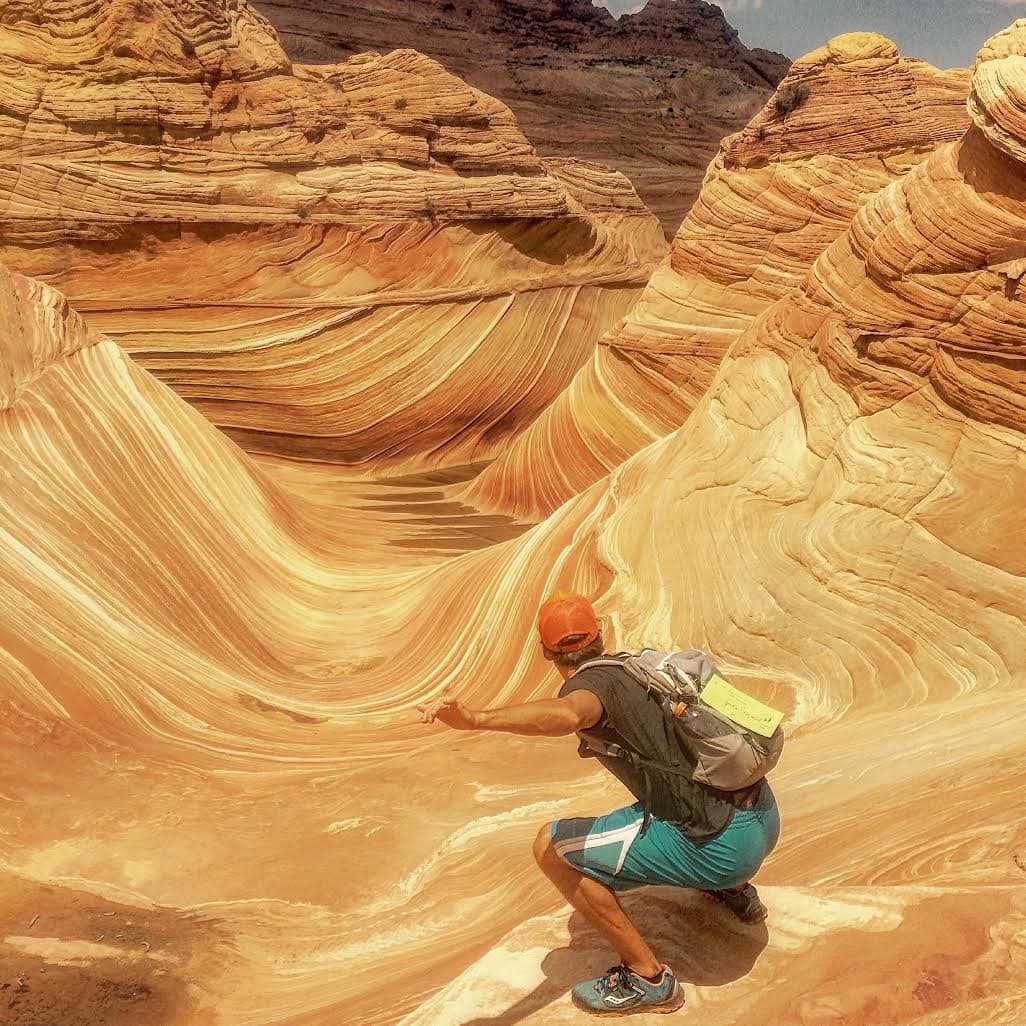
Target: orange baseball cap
x=567 y=622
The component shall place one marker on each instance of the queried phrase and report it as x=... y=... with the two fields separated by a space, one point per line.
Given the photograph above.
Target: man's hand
x=545 y=717
x=449 y=711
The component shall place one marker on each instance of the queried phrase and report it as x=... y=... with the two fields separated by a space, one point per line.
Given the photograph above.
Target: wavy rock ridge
x=260 y=235
x=207 y=682
x=203 y=653
x=847 y=486
x=777 y=194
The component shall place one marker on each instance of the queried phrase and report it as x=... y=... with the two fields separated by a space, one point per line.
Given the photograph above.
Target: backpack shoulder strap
x=613 y=660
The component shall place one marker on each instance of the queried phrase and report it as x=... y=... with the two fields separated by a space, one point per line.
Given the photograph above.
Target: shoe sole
x=676 y=1003
x=759 y=917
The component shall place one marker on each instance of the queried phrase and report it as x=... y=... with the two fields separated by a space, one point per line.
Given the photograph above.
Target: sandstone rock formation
x=651 y=94
x=837 y=517
x=777 y=194
x=218 y=806
x=262 y=235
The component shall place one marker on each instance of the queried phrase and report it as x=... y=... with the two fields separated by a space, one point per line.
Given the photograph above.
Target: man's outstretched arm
x=548 y=717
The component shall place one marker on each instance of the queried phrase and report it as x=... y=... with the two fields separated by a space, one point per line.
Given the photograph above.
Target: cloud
x=757 y=5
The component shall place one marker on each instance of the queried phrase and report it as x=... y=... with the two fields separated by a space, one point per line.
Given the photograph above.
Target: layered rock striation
x=776 y=195
x=836 y=520
x=219 y=804
x=262 y=235
x=651 y=94
x=195 y=663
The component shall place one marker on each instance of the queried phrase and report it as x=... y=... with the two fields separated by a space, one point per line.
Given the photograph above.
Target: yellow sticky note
x=744 y=710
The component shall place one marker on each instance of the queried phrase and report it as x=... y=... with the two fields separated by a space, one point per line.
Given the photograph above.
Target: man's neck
x=566 y=672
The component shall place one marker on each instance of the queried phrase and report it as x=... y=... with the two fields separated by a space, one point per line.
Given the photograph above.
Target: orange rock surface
x=261 y=236
x=218 y=806
x=777 y=194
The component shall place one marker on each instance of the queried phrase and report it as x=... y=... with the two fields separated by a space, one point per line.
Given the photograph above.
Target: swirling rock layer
x=219 y=808
x=777 y=194
x=285 y=244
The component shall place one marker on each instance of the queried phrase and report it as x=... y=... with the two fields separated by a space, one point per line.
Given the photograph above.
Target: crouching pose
x=680 y=832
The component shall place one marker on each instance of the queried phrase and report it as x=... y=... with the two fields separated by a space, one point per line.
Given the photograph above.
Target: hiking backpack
x=733 y=743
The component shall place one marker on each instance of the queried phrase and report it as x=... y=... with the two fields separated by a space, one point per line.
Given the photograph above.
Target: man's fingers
x=429 y=710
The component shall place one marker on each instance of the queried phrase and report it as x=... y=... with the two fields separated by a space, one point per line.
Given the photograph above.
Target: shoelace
x=617 y=982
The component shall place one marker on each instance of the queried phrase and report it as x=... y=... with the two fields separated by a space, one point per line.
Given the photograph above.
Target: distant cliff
x=651 y=94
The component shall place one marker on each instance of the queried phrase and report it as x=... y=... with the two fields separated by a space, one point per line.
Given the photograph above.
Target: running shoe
x=743 y=902
x=623 y=992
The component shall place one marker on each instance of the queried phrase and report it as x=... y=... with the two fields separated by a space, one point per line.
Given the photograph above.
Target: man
x=679 y=832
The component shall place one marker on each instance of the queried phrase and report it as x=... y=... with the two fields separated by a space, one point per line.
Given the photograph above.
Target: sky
x=946 y=33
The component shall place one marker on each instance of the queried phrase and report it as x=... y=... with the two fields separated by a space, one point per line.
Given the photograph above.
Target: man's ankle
x=649 y=973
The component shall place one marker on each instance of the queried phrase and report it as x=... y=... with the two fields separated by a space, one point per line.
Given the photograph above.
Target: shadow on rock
x=554 y=241
x=701 y=940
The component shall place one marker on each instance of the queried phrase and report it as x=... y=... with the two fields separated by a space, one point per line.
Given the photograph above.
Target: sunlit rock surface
x=777 y=194
x=218 y=807
x=264 y=236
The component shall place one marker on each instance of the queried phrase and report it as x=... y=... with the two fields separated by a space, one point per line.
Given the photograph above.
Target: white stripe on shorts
x=624 y=834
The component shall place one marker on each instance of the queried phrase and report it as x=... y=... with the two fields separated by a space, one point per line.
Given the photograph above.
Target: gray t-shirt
x=634 y=720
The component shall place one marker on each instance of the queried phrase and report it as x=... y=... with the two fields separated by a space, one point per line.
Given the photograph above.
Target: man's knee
x=543 y=845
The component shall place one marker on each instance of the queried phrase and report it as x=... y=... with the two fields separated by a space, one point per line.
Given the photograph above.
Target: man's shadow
x=703 y=942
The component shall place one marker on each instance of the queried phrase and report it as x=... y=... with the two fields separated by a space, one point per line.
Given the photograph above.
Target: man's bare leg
x=598 y=904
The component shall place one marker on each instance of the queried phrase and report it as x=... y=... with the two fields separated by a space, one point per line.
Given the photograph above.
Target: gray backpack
x=728 y=755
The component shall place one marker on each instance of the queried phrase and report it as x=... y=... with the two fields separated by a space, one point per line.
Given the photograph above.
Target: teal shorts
x=612 y=849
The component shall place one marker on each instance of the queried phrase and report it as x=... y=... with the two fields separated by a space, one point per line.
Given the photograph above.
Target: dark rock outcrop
x=651 y=94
